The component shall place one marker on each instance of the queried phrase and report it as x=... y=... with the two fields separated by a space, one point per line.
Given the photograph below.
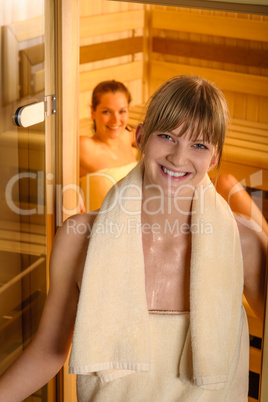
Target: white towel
x=112 y=334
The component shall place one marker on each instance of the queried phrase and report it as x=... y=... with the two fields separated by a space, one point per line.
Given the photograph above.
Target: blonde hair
x=189 y=102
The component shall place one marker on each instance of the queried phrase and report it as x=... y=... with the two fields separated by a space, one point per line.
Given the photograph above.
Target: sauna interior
x=141 y=45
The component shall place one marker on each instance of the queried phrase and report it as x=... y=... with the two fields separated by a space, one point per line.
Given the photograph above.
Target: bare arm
x=89 y=156
x=49 y=348
x=254 y=250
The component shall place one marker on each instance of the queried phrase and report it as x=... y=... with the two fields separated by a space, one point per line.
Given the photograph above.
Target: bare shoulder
x=253 y=239
x=70 y=246
x=86 y=141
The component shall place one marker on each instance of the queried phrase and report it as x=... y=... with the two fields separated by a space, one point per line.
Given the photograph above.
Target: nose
x=177 y=155
x=115 y=118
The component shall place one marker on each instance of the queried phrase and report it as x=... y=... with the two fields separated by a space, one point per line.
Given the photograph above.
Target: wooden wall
x=111 y=47
x=230 y=49
x=145 y=45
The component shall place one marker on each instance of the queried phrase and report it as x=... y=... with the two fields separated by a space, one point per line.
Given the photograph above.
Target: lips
x=113 y=128
x=171 y=173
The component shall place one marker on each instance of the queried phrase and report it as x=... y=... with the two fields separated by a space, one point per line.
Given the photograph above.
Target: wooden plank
x=23 y=227
x=33 y=141
x=215 y=25
x=255 y=327
x=108 y=23
x=240 y=135
x=250 y=145
x=255 y=360
x=22 y=248
x=108 y=50
x=226 y=80
x=211 y=51
x=247 y=123
x=238 y=6
x=28 y=29
x=249 y=129
x=22 y=237
x=245 y=156
x=123 y=72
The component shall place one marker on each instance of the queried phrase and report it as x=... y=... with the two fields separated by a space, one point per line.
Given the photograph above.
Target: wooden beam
x=108 y=50
x=108 y=23
x=226 y=80
x=212 y=51
x=211 y=25
x=122 y=72
x=236 y=6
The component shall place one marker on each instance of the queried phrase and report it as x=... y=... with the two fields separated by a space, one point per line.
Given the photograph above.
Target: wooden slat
x=240 y=135
x=250 y=124
x=23 y=227
x=211 y=51
x=28 y=29
x=250 y=145
x=255 y=360
x=211 y=25
x=249 y=129
x=108 y=50
x=245 y=156
x=123 y=72
x=226 y=80
x=32 y=141
x=108 y=23
x=248 y=7
x=22 y=237
x=22 y=248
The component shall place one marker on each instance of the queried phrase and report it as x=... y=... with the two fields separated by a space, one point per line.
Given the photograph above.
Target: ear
x=213 y=162
x=92 y=113
x=139 y=135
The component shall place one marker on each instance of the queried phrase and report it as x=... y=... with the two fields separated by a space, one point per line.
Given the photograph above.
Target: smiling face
x=110 y=116
x=176 y=163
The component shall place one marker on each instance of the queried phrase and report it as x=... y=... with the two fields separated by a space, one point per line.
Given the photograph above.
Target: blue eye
x=105 y=111
x=123 y=111
x=165 y=136
x=200 y=146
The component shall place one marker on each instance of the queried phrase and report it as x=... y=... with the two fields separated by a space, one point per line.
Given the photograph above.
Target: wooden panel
x=255 y=360
x=251 y=138
x=211 y=51
x=245 y=156
x=211 y=25
x=28 y=29
x=226 y=80
x=107 y=23
x=123 y=72
x=253 y=7
x=108 y=50
x=250 y=145
x=249 y=126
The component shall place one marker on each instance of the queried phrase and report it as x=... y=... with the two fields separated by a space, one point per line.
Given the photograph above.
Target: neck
x=159 y=209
